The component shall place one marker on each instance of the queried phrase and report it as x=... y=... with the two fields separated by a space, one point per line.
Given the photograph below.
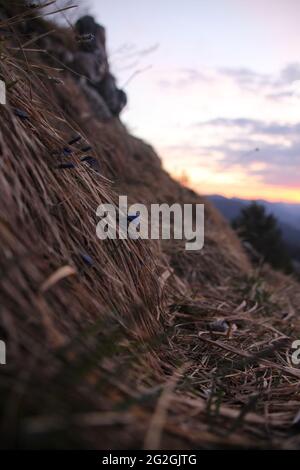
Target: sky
x=214 y=86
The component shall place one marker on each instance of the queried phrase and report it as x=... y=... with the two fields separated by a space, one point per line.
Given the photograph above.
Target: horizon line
x=262 y=199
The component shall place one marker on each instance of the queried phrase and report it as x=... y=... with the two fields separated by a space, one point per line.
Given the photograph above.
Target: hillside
x=122 y=343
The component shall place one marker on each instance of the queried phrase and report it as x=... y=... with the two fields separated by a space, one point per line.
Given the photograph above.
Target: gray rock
x=91 y=64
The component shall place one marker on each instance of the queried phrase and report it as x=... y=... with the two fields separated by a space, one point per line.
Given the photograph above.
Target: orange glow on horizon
x=251 y=191
x=269 y=194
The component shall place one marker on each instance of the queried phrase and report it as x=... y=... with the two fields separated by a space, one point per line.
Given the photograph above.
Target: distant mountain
x=288 y=216
x=284 y=212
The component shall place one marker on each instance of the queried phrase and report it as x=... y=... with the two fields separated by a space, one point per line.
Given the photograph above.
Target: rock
x=97 y=103
x=115 y=98
x=91 y=63
x=90 y=60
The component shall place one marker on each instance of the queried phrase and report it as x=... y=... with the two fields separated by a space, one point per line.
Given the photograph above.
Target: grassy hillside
x=122 y=344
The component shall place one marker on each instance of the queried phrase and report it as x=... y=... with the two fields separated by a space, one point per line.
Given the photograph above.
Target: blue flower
x=133 y=217
x=87 y=259
x=21 y=114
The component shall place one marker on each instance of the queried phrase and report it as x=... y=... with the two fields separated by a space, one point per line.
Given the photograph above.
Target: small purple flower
x=87 y=259
x=75 y=139
x=21 y=114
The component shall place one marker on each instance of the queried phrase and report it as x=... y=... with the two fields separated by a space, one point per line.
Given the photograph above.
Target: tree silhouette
x=261 y=230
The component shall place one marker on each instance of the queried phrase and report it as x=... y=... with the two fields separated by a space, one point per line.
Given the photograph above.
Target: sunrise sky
x=214 y=86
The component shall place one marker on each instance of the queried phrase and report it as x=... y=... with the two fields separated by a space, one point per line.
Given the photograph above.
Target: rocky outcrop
x=91 y=64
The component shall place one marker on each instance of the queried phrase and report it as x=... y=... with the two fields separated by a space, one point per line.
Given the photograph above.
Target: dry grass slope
x=114 y=343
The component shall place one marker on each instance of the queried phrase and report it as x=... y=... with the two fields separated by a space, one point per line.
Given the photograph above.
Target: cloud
x=246 y=77
x=287 y=85
x=256 y=126
x=184 y=77
x=280 y=176
x=289 y=74
x=267 y=150
x=255 y=149
x=277 y=96
x=275 y=87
